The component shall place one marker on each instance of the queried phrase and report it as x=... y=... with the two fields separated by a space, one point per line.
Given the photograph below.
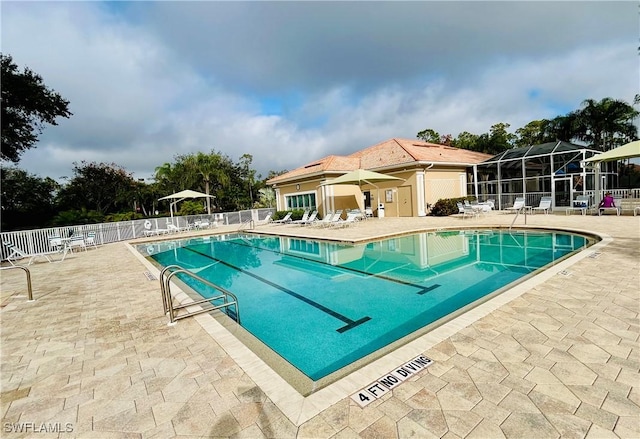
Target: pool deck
x=557 y=356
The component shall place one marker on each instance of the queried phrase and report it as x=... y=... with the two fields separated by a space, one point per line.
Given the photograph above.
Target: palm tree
x=209 y=170
x=606 y=124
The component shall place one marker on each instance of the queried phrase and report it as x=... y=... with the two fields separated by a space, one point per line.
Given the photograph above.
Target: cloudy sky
x=291 y=82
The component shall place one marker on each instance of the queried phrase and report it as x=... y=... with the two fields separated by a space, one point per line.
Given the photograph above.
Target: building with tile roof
x=427 y=173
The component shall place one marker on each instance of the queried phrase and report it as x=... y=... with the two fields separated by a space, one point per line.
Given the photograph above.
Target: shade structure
x=630 y=150
x=182 y=195
x=360 y=176
x=627 y=151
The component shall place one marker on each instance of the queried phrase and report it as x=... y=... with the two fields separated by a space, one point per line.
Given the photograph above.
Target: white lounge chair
x=581 y=203
x=148 y=231
x=518 y=205
x=544 y=206
x=172 y=228
x=617 y=202
x=352 y=218
x=16 y=254
x=328 y=219
x=285 y=220
x=311 y=219
x=266 y=220
x=305 y=217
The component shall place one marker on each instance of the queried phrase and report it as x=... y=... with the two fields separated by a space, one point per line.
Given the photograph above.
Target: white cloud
x=148 y=81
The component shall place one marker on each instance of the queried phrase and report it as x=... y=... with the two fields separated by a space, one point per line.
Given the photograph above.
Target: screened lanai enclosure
x=554 y=169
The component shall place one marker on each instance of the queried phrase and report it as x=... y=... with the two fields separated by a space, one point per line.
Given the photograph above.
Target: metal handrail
x=26 y=270
x=170 y=308
x=251 y=223
x=524 y=209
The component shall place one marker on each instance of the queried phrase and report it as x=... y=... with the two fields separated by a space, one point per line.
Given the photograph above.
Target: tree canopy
x=27 y=105
x=602 y=125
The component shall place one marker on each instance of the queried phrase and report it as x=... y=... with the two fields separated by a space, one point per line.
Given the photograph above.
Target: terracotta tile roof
x=384 y=155
x=327 y=164
x=401 y=151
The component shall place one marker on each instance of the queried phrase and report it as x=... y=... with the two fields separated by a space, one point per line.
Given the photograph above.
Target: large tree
x=27 y=105
x=104 y=188
x=28 y=201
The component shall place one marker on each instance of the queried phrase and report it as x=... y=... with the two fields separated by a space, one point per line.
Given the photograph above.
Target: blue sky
x=291 y=82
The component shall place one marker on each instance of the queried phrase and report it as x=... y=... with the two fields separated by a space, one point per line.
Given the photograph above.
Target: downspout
x=424 y=186
x=475 y=181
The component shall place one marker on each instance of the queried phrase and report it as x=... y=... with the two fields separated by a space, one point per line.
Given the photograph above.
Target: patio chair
x=266 y=220
x=615 y=208
x=309 y=220
x=544 y=206
x=172 y=228
x=518 y=205
x=148 y=231
x=305 y=217
x=581 y=203
x=77 y=241
x=352 y=218
x=17 y=254
x=285 y=220
x=90 y=240
x=466 y=211
x=328 y=219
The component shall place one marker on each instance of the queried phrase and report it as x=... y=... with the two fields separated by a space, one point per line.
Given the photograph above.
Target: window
x=301 y=201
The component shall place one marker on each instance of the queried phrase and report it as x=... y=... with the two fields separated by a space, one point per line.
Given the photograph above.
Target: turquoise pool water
x=322 y=306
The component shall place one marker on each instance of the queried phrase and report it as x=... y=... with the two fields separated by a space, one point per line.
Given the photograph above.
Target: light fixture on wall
x=297 y=187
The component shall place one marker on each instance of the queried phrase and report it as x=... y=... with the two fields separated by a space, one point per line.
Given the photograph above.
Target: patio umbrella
x=182 y=195
x=360 y=176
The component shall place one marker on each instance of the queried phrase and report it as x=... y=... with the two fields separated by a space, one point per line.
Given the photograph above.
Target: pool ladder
x=227 y=297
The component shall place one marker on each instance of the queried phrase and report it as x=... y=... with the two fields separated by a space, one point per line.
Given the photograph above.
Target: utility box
x=380 y=210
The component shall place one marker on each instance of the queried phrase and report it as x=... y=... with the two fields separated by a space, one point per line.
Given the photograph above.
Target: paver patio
x=93 y=355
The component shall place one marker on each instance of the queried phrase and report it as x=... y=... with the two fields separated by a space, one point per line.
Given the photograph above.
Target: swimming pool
x=322 y=306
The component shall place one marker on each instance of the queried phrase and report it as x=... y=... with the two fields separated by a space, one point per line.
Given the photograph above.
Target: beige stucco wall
x=404 y=196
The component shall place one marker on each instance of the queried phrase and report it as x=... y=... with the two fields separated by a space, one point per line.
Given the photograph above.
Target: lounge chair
x=17 y=254
x=305 y=217
x=581 y=203
x=285 y=220
x=352 y=218
x=266 y=220
x=617 y=202
x=312 y=218
x=466 y=211
x=328 y=219
x=148 y=231
x=544 y=206
x=172 y=228
x=518 y=205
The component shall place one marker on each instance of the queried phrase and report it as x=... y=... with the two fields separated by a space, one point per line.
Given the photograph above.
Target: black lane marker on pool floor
x=350 y=324
x=421 y=289
x=427 y=289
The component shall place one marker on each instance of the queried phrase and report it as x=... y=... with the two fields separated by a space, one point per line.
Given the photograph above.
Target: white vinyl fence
x=37 y=241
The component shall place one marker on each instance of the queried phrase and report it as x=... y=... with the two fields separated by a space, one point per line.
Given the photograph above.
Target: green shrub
x=447 y=206
x=191 y=208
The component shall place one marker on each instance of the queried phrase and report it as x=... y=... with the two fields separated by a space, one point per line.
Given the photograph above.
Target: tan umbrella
x=183 y=195
x=360 y=176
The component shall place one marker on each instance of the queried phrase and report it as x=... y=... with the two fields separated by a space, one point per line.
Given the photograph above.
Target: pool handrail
x=28 y=273
x=165 y=287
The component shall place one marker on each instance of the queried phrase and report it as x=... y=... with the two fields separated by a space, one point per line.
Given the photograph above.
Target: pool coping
x=298 y=408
